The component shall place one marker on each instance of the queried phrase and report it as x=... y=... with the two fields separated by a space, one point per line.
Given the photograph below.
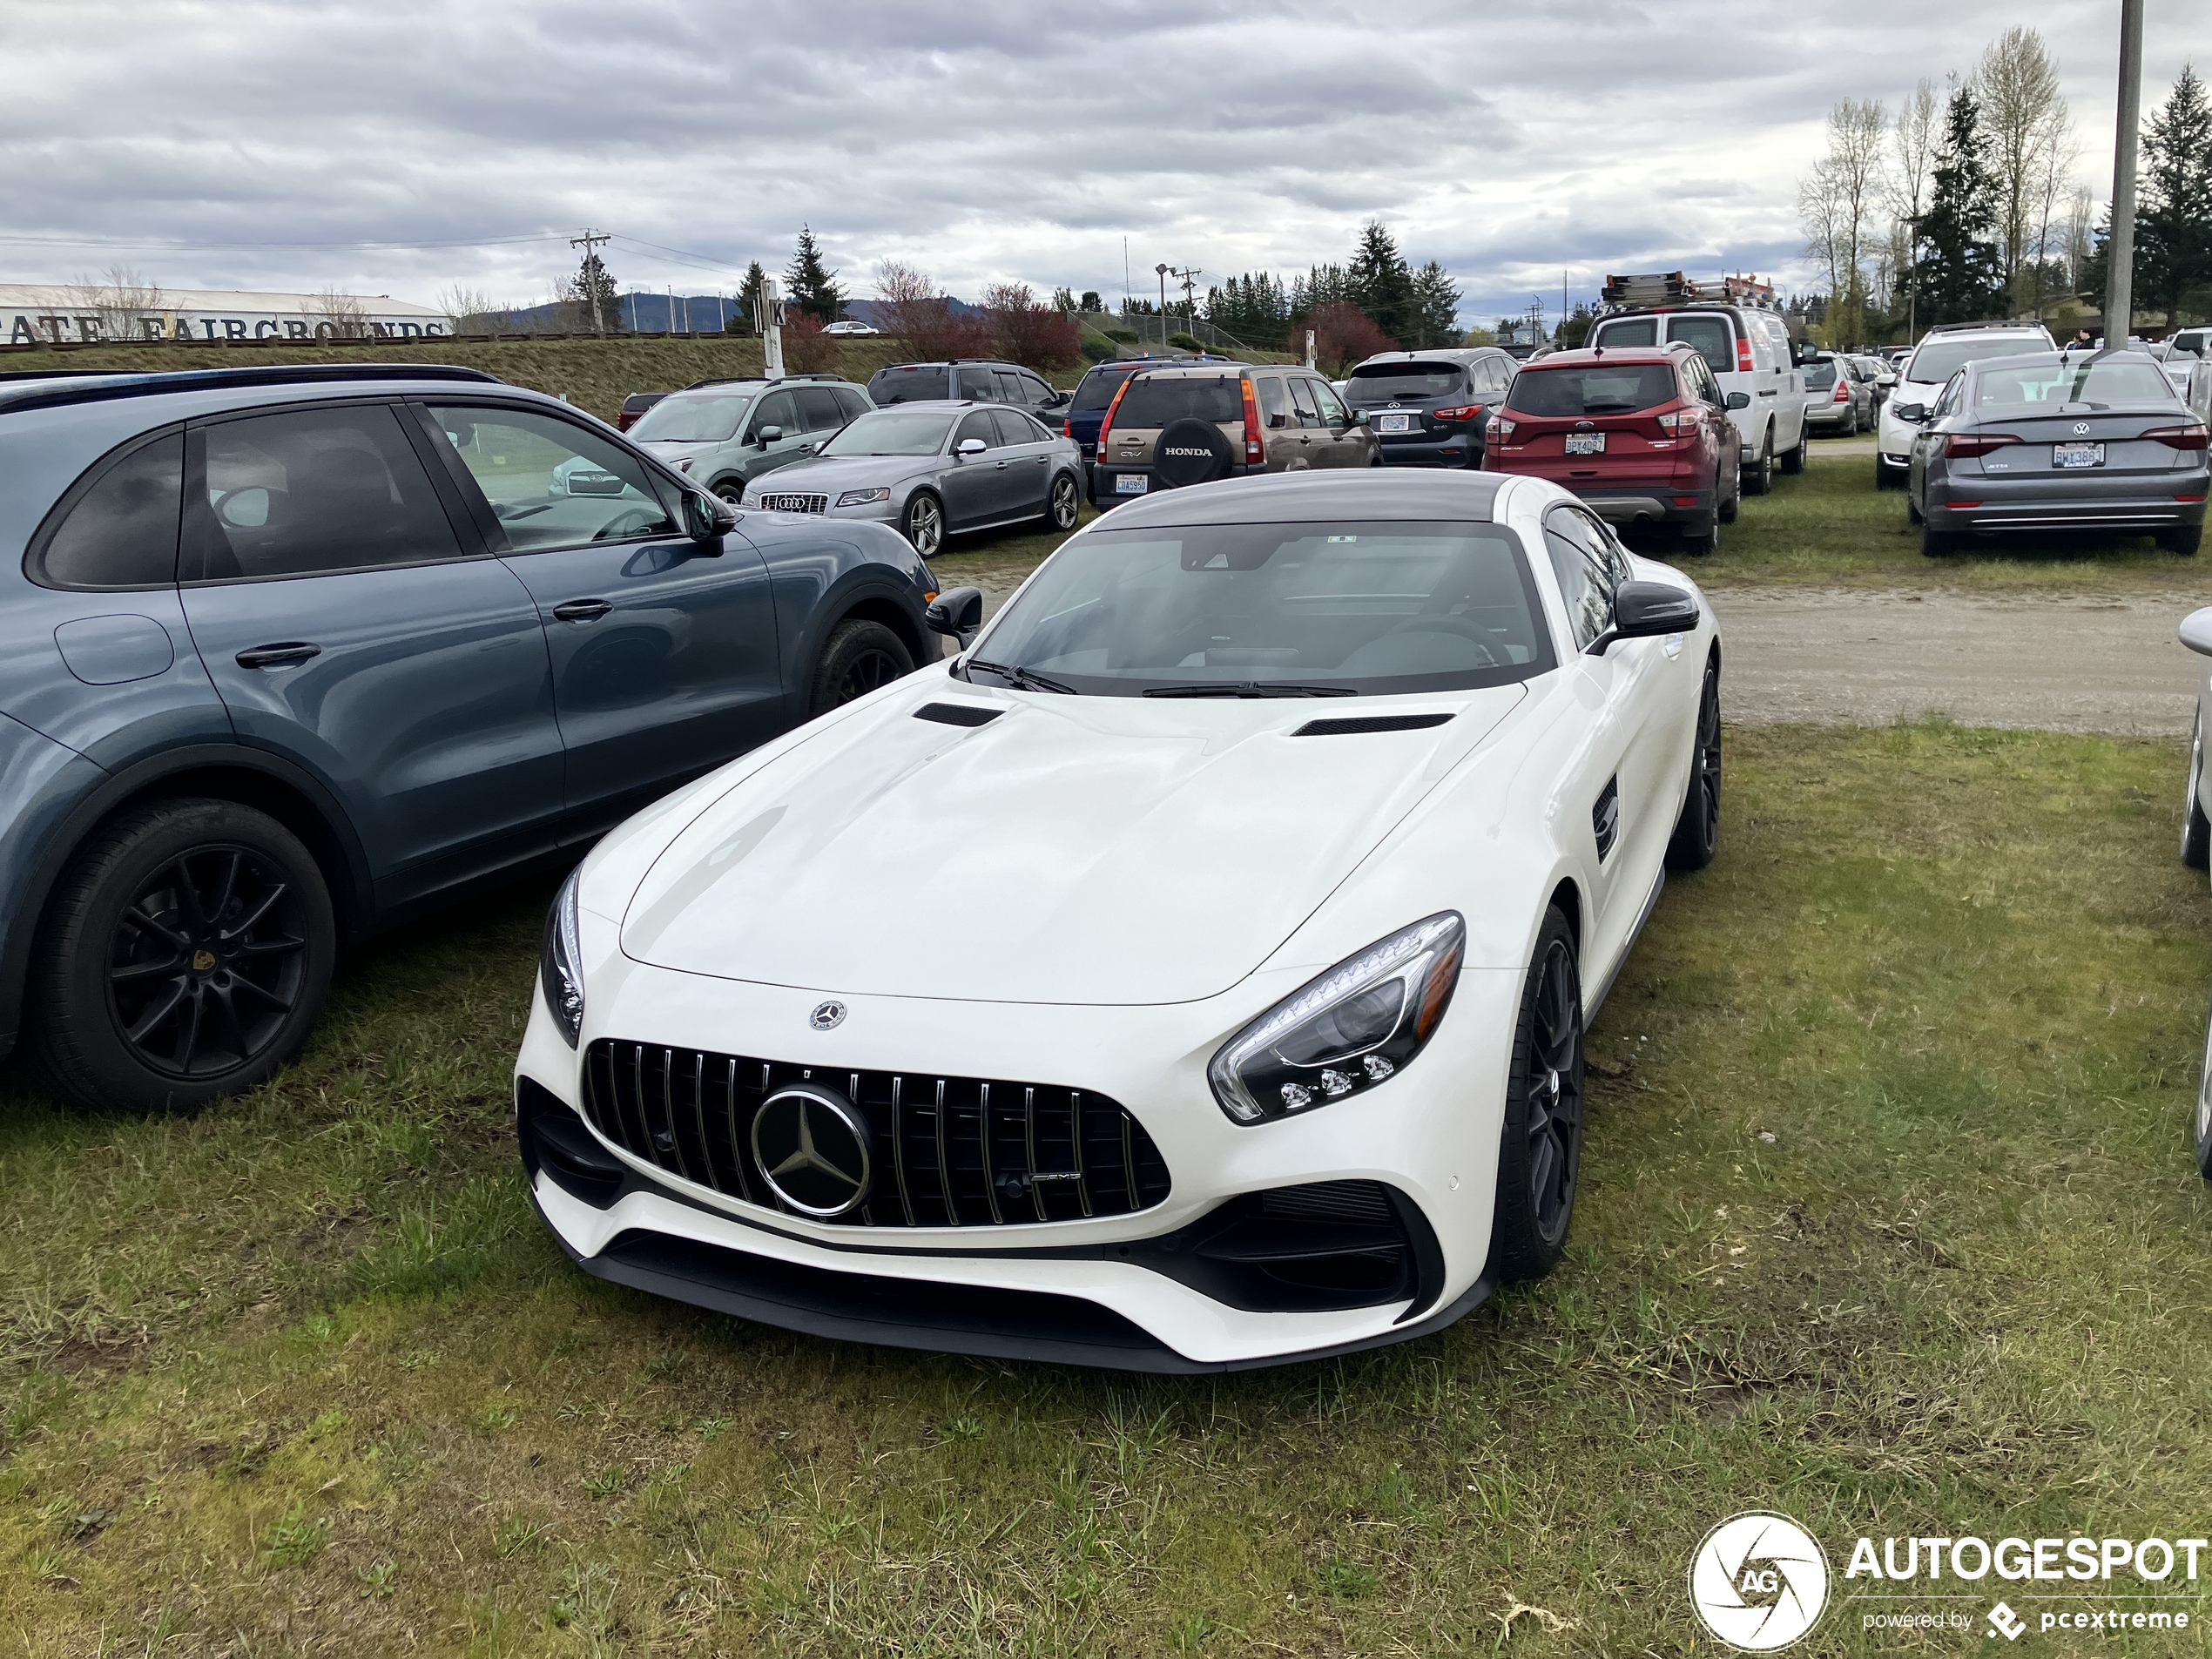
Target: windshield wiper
x=1249 y=688
x=1021 y=677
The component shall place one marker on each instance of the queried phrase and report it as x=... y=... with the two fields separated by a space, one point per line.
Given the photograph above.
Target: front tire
x=923 y=523
x=859 y=657
x=1540 y=1154
x=184 y=957
x=1697 y=832
x=2196 y=831
x=732 y=490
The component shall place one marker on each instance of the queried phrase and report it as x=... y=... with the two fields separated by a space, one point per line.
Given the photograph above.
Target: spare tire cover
x=1191 y=451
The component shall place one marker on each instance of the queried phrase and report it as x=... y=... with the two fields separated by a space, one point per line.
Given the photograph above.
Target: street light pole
x=2120 y=271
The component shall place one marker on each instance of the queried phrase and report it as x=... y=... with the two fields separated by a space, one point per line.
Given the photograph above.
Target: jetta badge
x=812 y=1147
x=826 y=1016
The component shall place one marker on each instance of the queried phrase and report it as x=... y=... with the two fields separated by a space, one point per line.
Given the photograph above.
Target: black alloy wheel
x=1540 y=1156
x=1799 y=458
x=1732 y=503
x=2184 y=541
x=1061 y=509
x=186 y=956
x=1758 y=477
x=923 y=523
x=2196 y=831
x=1697 y=832
x=1936 y=543
x=860 y=657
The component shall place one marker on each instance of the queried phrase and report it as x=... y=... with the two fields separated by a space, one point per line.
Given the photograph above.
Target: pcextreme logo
x=1759 y=1582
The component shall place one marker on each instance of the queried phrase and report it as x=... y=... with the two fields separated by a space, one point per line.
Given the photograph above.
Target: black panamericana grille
x=789 y=501
x=949 y=1151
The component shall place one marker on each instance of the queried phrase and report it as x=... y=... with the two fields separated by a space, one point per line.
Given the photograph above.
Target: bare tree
x=912 y=309
x=1837 y=205
x=2080 y=216
x=338 y=316
x=1919 y=126
x=475 y=312
x=2025 y=116
x=120 y=304
x=2054 y=178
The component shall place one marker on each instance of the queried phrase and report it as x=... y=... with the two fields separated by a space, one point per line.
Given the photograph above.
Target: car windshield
x=889 y=432
x=1276 y=610
x=699 y=418
x=1155 y=401
x=2084 y=380
x=1613 y=389
x=1379 y=382
x=1933 y=365
x=1097 y=389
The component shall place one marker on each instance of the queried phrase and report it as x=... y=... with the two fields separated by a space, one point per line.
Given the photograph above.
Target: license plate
x=1393 y=423
x=1131 y=484
x=2067 y=455
x=1585 y=443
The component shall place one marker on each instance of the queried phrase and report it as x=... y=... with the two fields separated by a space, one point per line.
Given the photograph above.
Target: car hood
x=846 y=472
x=1072 y=850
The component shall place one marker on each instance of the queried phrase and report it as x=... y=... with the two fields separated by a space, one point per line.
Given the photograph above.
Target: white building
x=36 y=314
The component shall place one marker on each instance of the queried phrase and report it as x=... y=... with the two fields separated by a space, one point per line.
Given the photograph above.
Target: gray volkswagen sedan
x=2058 y=441
x=936 y=468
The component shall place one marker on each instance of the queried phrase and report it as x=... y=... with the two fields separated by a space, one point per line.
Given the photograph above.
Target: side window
x=777 y=409
x=119 y=530
x=853 y=403
x=1712 y=336
x=1015 y=428
x=1631 y=331
x=818 y=409
x=550 y=484
x=977 y=424
x=1332 y=411
x=1273 y=407
x=1034 y=391
x=307 y=492
x=1584 y=566
x=1605 y=547
x=1949 y=401
x=1302 y=396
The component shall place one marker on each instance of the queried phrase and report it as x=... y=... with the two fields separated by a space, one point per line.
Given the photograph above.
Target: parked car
x=1942 y=352
x=1168 y=429
x=1879 y=378
x=1641 y=433
x=1840 y=396
x=2196 y=843
x=1292 y=831
x=633 y=406
x=935 y=469
x=1430 y=408
x=1748 y=348
x=971 y=382
x=290 y=654
x=727 y=434
x=1086 y=408
x=2053 y=439
x=851 y=329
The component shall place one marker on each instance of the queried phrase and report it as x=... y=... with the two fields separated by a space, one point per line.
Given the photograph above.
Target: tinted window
x=910 y=385
x=2085 y=381
x=1034 y=391
x=553 y=484
x=1098 y=389
x=778 y=409
x=1154 y=401
x=697 y=418
x=1269 y=391
x=122 y=532
x=977 y=425
x=1585 y=582
x=1333 y=409
x=852 y=401
x=1302 y=396
x=1379 y=382
x=1614 y=389
x=1819 y=376
x=818 y=409
x=1015 y=427
x=1633 y=331
x=1714 y=337
x=313 y=491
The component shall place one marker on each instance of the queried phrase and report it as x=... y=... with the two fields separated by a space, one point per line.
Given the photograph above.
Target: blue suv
x=288 y=656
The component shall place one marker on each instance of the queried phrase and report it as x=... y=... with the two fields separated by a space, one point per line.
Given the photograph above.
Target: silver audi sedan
x=2058 y=441
x=933 y=469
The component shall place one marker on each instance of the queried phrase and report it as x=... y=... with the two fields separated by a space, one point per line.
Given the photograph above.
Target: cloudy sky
x=402 y=147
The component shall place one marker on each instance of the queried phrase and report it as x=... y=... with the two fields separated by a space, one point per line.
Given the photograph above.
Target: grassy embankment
x=1889 y=1223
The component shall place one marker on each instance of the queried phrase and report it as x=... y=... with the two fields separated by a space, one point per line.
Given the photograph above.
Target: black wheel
x=1758 y=477
x=2203 y=1136
x=1731 y=504
x=1542 y=1152
x=1700 y=539
x=2184 y=541
x=1850 y=423
x=1799 y=458
x=1912 y=508
x=1886 y=477
x=185 y=956
x=1697 y=832
x=1936 y=543
x=732 y=490
x=1060 y=509
x=2196 y=832
x=858 y=658
x=1190 y=451
x=923 y=523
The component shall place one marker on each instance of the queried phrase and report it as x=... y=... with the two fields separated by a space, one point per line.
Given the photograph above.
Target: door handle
x=1003 y=465
x=283 y=655
x=581 y=610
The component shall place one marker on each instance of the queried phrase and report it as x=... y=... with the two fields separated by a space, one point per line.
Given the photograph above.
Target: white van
x=1747 y=350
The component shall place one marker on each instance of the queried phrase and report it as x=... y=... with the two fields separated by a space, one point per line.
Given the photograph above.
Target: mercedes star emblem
x=812 y=1147
x=828 y=1016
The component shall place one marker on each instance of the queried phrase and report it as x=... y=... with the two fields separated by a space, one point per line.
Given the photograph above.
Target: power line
x=163 y=247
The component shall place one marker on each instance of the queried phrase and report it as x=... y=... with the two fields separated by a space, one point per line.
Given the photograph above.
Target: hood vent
x=1354 y=725
x=957 y=713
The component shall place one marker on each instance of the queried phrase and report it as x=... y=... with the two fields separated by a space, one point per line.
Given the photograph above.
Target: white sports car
x=1190 y=975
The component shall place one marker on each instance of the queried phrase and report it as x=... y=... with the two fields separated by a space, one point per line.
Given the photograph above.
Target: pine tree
x=809 y=286
x=592 y=288
x=1960 y=273
x=742 y=321
x=2174 y=224
x=1436 y=307
x=1380 y=285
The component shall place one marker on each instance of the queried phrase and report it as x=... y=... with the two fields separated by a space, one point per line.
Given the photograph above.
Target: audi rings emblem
x=826 y=1016
x=812 y=1145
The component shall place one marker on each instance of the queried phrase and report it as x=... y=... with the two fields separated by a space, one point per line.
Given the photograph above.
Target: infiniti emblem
x=812 y=1149
x=828 y=1016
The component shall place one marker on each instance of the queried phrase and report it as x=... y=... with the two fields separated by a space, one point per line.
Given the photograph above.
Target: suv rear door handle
x=581 y=610
x=283 y=655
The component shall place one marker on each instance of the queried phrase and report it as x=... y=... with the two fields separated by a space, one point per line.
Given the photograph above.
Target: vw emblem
x=828 y=1016
x=812 y=1147
x=2080 y=429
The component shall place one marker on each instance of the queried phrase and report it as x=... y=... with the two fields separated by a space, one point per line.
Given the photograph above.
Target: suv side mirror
x=707 y=519
x=968 y=447
x=957 y=613
x=1643 y=609
x=1739 y=400
x=767 y=435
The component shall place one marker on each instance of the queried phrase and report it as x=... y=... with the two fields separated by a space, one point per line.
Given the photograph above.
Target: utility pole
x=2120 y=273
x=1161 y=271
x=590 y=240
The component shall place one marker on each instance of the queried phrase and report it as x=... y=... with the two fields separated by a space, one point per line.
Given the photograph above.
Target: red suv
x=1641 y=433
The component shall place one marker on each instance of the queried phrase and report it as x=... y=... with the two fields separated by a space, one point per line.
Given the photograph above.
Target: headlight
x=1353 y=1027
x=557 y=970
x=862 y=497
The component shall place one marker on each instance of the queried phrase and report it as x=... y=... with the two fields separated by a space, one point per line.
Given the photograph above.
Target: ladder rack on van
x=1675 y=288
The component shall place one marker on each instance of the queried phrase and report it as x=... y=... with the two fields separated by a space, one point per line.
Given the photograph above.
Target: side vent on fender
x=1605 y=817
x=957 y=713
x=1351 y=726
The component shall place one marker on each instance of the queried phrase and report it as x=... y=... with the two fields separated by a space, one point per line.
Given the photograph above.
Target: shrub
x=1033 y=336
x=913 y=311
x=1096 y=350
x=1123 y=336
x=1187 y=342
x=1343 y=334
x=808 y=350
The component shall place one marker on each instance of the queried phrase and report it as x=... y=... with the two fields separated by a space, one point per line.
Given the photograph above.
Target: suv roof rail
x=20 y=391
x=1983 y=328
x=758 y=380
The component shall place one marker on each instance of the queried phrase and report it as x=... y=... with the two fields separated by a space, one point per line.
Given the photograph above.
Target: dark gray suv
x=288 y=656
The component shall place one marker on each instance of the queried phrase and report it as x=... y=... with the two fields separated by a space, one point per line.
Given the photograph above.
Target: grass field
x=1888 y=1222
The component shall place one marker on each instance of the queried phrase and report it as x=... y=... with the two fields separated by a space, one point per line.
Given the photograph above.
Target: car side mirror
x=2196 y=631
x=1643 y=610
x=957 y=613
x=1915 y=413
x=768 y=434
x=968 y=447
x=707 y=519
x=1360 y=417
x=1739 y=400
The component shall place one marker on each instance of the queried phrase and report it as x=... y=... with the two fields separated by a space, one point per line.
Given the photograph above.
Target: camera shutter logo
x=1759 y=1582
